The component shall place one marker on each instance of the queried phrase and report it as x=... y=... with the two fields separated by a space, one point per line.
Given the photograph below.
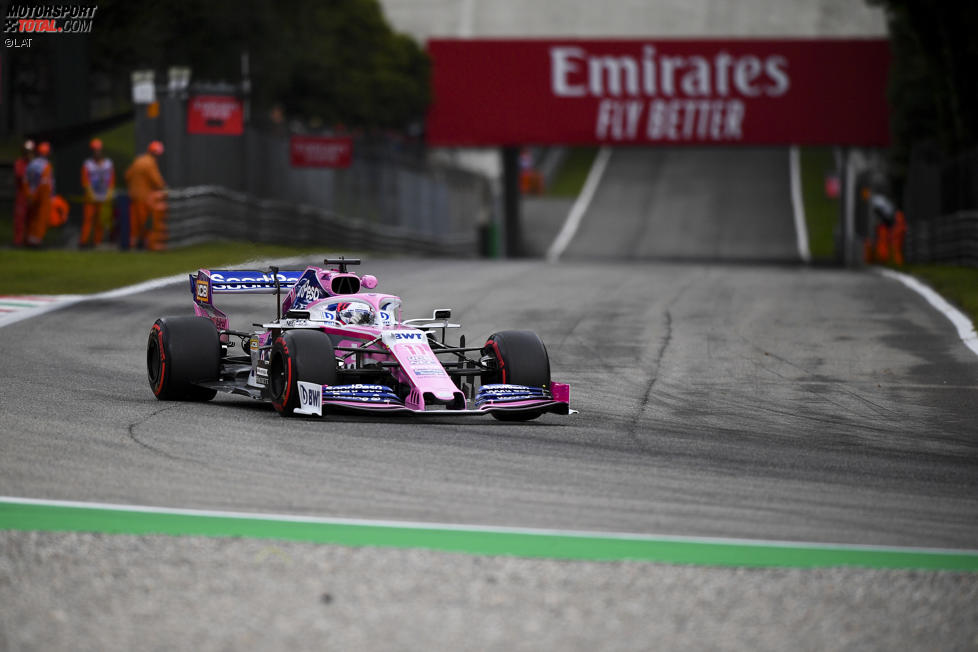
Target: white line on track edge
x=798 y=206
x=71 y=300
x=152 y=284
x=489 y=529
x=966 y=330
x=580 y=206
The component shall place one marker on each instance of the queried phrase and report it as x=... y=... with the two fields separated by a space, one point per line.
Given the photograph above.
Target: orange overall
x=147 y=213
x=39 y=187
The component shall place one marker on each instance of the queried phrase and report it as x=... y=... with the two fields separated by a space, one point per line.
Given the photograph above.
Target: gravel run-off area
x=78 y=591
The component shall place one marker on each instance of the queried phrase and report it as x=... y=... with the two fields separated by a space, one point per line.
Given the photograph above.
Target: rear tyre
x=181 y=352
x=520 y=358
x=305 y=355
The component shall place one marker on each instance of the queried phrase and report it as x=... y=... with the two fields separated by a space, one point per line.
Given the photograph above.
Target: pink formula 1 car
x=334 y=346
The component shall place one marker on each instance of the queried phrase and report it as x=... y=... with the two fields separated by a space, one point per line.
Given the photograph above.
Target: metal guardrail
x=949 y=239
x=206 y=213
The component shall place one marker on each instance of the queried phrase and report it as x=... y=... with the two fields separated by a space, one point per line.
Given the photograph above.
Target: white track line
x=580 y=206
x=801 y=228
x=70 y=300
x=966 y=330
x=457 y=527
x=153 y=284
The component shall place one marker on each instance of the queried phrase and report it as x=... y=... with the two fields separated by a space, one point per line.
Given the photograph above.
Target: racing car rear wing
x=208 y=282
x=220 y=281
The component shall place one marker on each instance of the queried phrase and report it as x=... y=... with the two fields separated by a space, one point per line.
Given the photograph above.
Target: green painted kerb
x=482 y=542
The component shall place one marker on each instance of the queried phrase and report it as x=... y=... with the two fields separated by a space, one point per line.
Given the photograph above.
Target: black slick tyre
x=305 y=355
x=520 y=358
x=181 y=352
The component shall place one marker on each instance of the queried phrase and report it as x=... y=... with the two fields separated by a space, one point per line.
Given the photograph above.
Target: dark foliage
x=933 y=86
x=333 y=61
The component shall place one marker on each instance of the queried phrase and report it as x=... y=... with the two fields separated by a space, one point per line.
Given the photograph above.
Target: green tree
x=336 y=60
x=933 y=88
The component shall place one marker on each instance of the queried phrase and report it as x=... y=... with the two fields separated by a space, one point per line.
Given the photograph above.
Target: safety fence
x=941 y=203
x=206 y=213
x=246 y=185
x=948 y=239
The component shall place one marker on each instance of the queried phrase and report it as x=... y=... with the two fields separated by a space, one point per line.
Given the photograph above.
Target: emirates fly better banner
x=639 y=92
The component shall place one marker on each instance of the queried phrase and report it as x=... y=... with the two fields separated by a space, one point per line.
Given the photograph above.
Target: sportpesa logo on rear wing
x=243 y=280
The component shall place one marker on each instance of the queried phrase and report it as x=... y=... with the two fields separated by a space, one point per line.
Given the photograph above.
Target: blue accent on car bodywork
x=501 y=393
x=360 y=393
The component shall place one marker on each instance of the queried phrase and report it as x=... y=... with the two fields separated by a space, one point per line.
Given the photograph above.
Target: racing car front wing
x=515 y=399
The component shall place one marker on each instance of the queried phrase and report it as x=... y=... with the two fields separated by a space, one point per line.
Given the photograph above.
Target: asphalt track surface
x=686 y=203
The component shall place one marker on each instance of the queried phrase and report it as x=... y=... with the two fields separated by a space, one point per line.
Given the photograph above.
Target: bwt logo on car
x=707 y=107
x=408 y=336
x=309 y=397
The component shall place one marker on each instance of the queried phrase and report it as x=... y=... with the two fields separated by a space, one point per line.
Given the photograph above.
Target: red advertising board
x=659 y=91
x=215 y=114
x=321 y=151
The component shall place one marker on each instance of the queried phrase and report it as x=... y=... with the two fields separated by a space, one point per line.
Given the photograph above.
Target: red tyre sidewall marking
x=159 y=345
x=499 y=361
x=288 y=375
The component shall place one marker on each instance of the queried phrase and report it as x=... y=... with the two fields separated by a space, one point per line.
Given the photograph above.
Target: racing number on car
x=417 y=355
x=202 y=290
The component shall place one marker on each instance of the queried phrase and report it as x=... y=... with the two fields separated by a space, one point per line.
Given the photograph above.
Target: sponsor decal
x=296 y=323
x=430 y=371
x=307 y=294
x=245 y=281
x=203 y=291
x=320 y=151
x=261 y=371
x=305 y=291
x=360 y=393
x=215 y=114
x=502 y=393
x=414 y=335
x=499 y=387
x=659 y=91
x=254 y=343
x=310 y=396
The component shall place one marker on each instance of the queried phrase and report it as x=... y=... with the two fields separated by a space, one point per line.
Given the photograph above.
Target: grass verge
x=959 y=285
x=821 y=212
x=573 y=172
x=56 y=271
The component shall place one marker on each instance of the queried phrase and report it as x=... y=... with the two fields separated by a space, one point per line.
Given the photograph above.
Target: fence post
x=511 y=203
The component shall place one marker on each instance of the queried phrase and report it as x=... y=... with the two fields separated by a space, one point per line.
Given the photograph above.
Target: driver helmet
x=355 y=314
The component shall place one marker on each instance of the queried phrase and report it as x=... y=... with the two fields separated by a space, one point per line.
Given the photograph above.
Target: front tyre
x=305 y=355
x=181 y=352
x=519 y=358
